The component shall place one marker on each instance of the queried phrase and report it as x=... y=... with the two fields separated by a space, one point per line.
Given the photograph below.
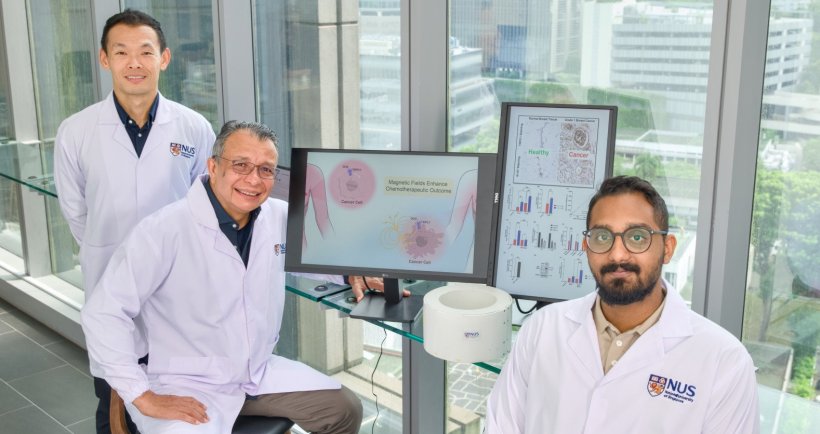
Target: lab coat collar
x=583 y=342
x=109 y=117
x=673 y=326
x=204 y=214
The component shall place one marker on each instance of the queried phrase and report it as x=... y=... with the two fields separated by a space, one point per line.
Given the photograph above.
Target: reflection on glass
x=189 y=32
x=64 y=60
x=10 y=233
x=648 y=58
x=468 y=388
x=781 y=325
x=329 y=80
x=65 y=261
x=348 y=350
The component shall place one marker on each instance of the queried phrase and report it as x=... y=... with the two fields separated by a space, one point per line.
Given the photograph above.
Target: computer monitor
x=552 y=159
x=398 y=215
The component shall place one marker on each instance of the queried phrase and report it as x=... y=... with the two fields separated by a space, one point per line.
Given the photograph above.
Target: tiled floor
x=45 y=387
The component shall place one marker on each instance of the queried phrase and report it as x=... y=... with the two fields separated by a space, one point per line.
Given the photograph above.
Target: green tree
x=768 y=204
x=648 y=166
x=811 y=155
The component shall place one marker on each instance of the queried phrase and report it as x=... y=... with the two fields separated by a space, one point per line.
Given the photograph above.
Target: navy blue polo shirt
x=138 y=135
x=239 y=238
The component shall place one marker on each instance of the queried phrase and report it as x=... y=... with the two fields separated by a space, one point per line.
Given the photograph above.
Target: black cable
x=518 y=306
x=372 y=383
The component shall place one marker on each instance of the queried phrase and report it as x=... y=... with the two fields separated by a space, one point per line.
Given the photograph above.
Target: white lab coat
x=553 y=381
x=211 y=323
x=104 y=189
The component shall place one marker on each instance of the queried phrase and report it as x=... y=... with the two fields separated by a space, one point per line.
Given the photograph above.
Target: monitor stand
x=390 y=306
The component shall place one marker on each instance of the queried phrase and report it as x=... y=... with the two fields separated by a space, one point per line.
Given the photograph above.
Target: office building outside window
x=329 y=75
x=650 y=59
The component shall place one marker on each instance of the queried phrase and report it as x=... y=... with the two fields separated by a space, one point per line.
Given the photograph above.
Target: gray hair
x=258 y=129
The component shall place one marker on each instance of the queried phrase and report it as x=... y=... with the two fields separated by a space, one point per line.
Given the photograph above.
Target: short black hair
x=131 y=17
x=632 y=184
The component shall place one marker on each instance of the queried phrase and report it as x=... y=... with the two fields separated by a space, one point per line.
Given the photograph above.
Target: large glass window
x=328 y=74
x=781 y=326
x=63 y=64
x=650 y=59
x=64 y=60
x=9 y=191
x=189 y=31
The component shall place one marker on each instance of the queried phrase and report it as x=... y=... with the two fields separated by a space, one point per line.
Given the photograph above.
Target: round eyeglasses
x=636 y=240
x=242 y=167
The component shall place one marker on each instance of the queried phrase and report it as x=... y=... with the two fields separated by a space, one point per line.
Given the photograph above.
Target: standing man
x=206 y=277
x=125 y=157
x=631 y=357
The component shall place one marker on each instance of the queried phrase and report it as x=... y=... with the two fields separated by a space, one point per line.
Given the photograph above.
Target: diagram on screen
x=577 y=155
x=411 y=211
x=352 y=184
x=421 y=238
x=391 y=230
x=514 y=268
x=316 y=196
x=554 y=157
x=555 y=151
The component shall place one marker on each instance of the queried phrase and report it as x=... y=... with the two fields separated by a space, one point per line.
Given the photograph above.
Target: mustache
x=608 y=268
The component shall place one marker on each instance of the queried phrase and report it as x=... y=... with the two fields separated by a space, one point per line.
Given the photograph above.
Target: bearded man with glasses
x=630 y=357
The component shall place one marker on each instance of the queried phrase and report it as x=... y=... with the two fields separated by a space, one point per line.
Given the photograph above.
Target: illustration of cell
x=352 y=184
x=421 y=239
x=391 y=230
x=577 y=156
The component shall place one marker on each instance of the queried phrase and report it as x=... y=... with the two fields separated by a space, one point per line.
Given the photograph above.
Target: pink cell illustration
x=421 y=239
x=352 y=184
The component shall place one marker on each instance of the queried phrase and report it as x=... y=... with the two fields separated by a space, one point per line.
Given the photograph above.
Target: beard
x=619 y=292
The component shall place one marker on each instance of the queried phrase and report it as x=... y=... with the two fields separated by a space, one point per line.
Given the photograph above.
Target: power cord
x=532 y=309
x=372 y=382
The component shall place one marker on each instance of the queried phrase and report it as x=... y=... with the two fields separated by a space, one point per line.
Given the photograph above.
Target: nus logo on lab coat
x=178 y=149
x=670 y=388
x=279 y=248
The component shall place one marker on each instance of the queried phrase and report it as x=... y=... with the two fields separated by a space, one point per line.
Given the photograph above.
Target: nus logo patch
x=178 y=149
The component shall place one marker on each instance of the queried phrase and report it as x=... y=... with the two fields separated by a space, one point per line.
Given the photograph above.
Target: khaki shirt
x=612 y=343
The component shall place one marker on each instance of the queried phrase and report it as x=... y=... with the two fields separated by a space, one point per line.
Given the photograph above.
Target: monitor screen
x=552 y=159
x=391 y=214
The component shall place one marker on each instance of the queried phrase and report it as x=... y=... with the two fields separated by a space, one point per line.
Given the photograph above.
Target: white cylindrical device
x=467 y=322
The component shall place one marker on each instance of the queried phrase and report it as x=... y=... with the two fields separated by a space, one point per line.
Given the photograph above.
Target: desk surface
x=344 y=301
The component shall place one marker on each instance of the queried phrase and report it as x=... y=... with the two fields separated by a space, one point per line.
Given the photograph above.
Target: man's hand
x=184 y=408
x=360 y=283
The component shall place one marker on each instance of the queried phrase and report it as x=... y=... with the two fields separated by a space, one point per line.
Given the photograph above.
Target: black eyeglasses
x=242 y=167
x=636 y=240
